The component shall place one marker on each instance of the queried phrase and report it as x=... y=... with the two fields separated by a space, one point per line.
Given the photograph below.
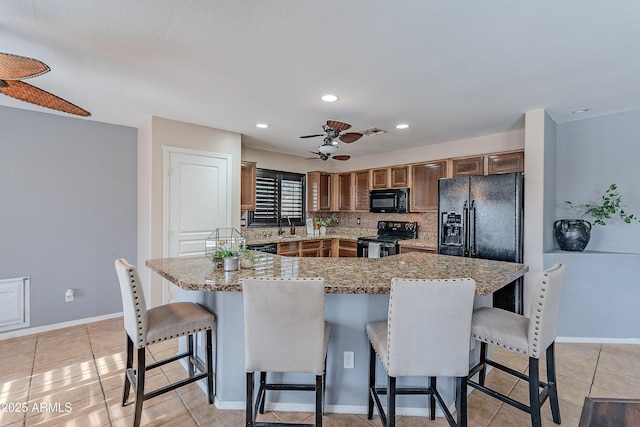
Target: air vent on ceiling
x=373 y=131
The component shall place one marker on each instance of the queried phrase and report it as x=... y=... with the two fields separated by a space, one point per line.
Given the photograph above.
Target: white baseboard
x=597 y=340
x=47 y=328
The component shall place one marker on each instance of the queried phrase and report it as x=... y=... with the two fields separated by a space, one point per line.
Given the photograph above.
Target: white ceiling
x=450 y=69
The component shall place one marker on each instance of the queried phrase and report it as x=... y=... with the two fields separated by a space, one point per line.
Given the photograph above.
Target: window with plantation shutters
x=279 y=195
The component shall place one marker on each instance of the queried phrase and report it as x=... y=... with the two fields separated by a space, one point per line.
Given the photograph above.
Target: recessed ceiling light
x=402 y=126
x=580 y=110
x=262 y=125
x=329 y=98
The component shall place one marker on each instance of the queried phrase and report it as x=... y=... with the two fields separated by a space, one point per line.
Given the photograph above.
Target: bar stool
x=158 y=324
x=528 y=336
x=426 y=334
x=284 y=331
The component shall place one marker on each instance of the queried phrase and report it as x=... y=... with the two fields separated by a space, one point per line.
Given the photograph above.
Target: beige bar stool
x=158 y=324
x=426 y=334
x=530 y=336
x=284 y=331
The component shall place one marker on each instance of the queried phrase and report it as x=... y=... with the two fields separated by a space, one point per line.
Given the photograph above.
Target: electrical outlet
x=69 y=295
x=358 y=221
x=348 y=359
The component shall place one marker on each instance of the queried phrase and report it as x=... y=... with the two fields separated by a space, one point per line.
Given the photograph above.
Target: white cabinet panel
x=14 y=303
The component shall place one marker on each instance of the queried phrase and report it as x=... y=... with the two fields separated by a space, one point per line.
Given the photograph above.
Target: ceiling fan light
x=327 y=148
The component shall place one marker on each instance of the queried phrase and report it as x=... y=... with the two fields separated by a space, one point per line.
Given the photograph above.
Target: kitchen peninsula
x=357 y=292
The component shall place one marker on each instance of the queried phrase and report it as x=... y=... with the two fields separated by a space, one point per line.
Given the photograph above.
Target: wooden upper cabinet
x=318 y=191
x=247 y=186
x=379 y=178
x=361 y=186
x=424 y=188
x=344 y=191
x=468 y=166
x=506 y=163
x=399 y=176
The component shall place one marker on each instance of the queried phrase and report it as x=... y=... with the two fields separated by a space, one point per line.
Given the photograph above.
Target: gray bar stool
x=284 y=331
x=158 y=324
x=426 y=334
x=528 y=336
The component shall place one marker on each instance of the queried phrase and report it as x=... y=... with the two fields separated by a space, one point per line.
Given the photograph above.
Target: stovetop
x=392 y=231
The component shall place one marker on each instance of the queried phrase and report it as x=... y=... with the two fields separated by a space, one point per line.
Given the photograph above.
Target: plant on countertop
x=611 y=205
x=323 y=222
x=223 y=252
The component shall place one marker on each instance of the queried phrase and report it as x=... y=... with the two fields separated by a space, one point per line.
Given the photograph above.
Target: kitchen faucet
x=292 y=229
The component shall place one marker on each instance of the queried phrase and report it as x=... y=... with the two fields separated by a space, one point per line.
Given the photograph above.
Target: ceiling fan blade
x=350 y=137
x=28 y=93
x=14 y=67
x=334 y=124
x=312 y=136
x=341 y=157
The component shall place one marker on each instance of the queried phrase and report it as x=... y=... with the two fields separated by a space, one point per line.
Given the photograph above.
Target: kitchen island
x=357 y=292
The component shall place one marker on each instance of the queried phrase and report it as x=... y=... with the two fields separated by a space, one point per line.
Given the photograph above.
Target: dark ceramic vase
x=572 y=234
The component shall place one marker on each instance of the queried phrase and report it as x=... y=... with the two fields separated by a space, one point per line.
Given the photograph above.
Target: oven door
x=385 y=249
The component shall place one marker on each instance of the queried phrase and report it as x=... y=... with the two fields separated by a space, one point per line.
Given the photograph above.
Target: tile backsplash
x=348 y=224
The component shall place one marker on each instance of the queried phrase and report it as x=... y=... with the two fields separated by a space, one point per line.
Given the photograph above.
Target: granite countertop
x=342 y=275
x=419 y=243
x=289 y=238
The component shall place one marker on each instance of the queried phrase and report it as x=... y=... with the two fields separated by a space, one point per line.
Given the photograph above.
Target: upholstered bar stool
x=426 y=334
x=158 y=324
x=284 y=331
x=530 y=336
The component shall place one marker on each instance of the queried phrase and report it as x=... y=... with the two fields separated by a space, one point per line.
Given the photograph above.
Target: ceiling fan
x=14 y=68
x=333 y=129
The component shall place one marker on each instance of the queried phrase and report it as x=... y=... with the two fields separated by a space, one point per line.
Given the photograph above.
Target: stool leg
x=432 y=397
x=249 y=402
x=551 y=380
x=140 y=371
x=372 y=380
x=129 y=365
x=534 y=392
x=209 y=335
x=191 y=355
x=319 y=400
x=461 y=401
x=391 y=402
x=263 y=385
x=483 y=360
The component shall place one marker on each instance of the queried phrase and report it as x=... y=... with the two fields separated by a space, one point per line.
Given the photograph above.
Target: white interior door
x=199 y=201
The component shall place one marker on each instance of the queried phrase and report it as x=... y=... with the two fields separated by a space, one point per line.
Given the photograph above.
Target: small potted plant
x=229 y=258
x=574 y=234
x=246 y=260
x=322 y=223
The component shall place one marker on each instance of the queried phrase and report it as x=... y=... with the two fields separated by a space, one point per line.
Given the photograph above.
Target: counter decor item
x=224 y=247
x=322 y=223
x=574 y=234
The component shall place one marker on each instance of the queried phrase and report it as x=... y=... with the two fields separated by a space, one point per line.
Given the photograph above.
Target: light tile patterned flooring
x=82 y=367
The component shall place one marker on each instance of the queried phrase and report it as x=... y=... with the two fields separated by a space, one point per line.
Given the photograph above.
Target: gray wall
x=68 y=197
x=602 y=288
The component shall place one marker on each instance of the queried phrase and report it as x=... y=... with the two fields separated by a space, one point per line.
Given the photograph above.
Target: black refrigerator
x=482 y=217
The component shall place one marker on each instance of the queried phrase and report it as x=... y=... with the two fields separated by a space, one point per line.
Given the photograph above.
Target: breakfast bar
x=356 y=293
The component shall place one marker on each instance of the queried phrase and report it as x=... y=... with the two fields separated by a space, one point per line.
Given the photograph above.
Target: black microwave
x=395 y=200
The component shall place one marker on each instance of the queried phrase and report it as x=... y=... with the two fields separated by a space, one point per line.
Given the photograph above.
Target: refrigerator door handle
x=472 y=229
x=465 y=225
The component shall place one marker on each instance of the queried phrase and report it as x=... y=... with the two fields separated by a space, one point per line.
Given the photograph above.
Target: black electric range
x=386 y=242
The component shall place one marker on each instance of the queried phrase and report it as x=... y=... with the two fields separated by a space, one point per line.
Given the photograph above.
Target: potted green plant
x=322 y=223
x=229 y=258
x=574 y=234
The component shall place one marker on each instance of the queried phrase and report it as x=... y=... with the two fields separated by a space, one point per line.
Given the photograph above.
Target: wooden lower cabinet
x=288 y=248
x=407 y=249
x=311 y=248
x=327 y=248
x=347 y=248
